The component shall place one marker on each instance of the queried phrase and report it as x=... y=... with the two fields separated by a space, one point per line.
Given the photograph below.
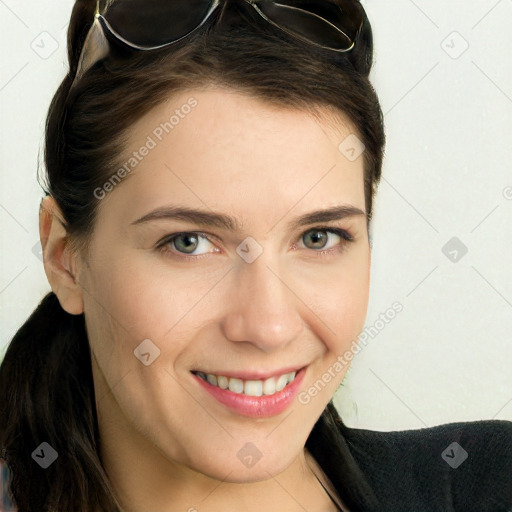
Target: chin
x=235 y=471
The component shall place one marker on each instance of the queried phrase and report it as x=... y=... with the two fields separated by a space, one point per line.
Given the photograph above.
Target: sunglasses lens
x=152 y=23
x=294 y=16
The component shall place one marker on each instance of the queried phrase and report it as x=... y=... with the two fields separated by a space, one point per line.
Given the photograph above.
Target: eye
x=184 y=245
x=317 y=238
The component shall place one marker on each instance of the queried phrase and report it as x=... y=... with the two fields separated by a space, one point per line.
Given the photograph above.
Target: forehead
x=224 y=149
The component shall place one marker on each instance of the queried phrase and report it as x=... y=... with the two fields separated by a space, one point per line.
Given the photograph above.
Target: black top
x=454 y=467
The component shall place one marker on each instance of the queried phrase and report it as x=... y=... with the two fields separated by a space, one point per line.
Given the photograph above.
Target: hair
x=46 y=381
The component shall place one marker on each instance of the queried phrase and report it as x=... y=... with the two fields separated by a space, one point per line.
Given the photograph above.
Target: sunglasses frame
x=96 y=45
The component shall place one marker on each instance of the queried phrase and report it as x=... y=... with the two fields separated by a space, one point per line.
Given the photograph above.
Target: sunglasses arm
x=96 y=47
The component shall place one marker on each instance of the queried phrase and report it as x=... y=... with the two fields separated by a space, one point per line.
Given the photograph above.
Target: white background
x=448 y=355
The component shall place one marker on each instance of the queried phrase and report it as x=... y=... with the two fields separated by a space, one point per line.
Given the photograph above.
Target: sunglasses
x=153 y=24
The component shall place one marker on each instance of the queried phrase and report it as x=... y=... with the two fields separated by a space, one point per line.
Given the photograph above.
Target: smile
x=256 y=398
x=266 y=387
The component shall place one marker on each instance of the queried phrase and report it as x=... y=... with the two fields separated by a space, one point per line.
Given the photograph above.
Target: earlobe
x=59 y=261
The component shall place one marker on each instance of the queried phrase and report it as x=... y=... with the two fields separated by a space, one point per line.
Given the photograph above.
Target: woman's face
x=264 y=297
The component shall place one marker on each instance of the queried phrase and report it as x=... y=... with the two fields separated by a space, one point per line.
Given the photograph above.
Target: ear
x=59 y=262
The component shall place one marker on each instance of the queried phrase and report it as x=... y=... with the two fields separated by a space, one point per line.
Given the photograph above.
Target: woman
x=162 y=376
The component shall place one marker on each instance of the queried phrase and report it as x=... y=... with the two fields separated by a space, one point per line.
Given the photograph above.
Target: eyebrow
x=226 y=222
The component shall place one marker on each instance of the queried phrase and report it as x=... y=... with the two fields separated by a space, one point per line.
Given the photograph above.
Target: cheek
x=338 y=295
x=138 y=299
x=126 y=305
x=143 y=301
x=133 y=309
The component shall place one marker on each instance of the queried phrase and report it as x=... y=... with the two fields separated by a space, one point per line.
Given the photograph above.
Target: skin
x=166 y=444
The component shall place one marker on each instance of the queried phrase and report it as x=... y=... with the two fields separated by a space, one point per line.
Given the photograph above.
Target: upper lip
x=254 y=374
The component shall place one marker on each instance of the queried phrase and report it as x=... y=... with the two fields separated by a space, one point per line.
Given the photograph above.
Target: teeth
x=268 y=386
x=222 y=382
x=281 y=382
x=253 y=388
x=236 y=385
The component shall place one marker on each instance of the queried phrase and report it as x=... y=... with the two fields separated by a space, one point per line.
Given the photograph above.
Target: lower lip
x=256 y=406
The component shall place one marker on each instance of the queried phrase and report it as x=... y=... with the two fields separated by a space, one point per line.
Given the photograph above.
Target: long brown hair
x=46 y=383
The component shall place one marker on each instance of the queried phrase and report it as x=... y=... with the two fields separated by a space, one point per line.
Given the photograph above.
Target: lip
x=254 y=375
x=255 y=406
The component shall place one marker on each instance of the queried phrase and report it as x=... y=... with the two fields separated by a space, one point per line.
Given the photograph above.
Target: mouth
x=249 y=387
x=251 y=397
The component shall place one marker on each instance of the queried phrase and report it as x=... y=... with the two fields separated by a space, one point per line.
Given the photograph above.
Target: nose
x=262 y=309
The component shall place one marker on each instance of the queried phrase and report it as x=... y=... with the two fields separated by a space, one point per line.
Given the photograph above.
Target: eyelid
x=344 y=234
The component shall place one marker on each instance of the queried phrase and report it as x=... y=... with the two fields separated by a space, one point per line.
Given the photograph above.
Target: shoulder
x=463 y=466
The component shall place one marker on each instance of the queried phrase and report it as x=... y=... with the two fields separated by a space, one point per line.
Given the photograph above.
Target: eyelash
x=346 y=237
